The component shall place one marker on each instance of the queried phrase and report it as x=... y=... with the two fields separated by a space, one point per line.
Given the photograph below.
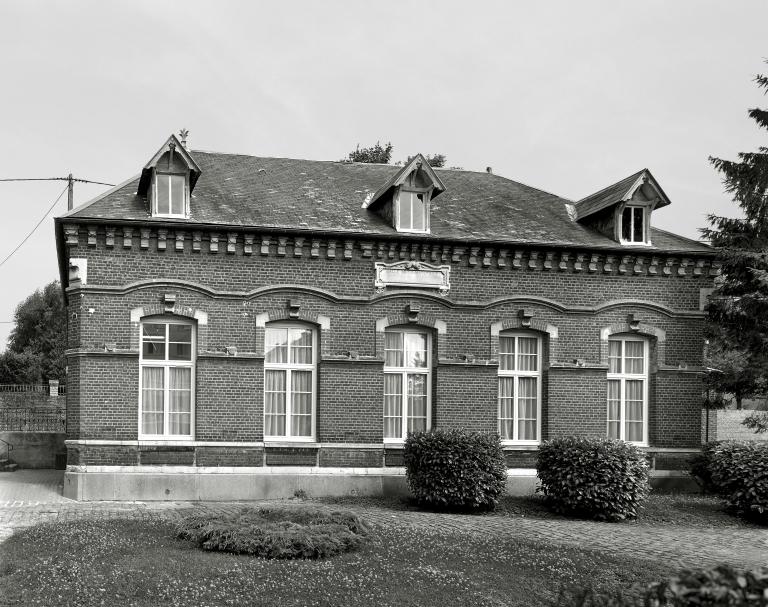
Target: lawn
x=122 y=562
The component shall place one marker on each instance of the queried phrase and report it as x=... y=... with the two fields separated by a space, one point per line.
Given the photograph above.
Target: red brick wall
x=235 y=289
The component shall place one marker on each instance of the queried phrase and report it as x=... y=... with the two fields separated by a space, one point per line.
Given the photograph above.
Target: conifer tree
x=739 y=306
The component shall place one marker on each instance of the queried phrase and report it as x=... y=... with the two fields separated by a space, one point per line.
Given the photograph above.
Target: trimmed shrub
x=598 y=478
x=701 y=466
x=293 y=532
x=722 y=586
x=455 y=469
x=739 y=473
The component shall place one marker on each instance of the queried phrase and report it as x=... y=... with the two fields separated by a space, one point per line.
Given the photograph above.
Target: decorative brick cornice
x=479 y=257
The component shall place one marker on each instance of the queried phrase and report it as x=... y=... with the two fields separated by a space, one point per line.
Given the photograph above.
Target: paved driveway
x=28 y=497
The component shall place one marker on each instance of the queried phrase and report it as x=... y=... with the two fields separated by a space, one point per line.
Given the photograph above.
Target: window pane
x=634 y=354
x=613 y=429
x=417 y=208
x=614 y=356
x=301 y=346
x=274 y=403
x=634 y=432
x=393 y=349
x=626 y=224
x=634 y=410
x=528 y=353
x=392 y=405
x=177 y=194
x=614 y=407
x=153 y=341
x=405 y=210
x=416 y=350
x=527 y=402
x=506 y=407
x=417 y=402
x=507 y=353
x=180 y=397
x=276 y=345
x=163 y=194
x=152 y=390
x=639 y=233
x=301 y=403
x=180 y=342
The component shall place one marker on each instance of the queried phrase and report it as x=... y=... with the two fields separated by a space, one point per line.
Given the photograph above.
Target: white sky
x=567 y=96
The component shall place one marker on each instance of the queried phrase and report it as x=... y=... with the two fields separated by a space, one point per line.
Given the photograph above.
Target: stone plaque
x=412 y=274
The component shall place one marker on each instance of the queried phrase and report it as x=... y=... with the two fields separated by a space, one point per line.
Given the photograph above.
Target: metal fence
x=59 y=389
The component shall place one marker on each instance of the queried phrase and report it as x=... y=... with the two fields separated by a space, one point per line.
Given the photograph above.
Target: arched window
x=167 y=379
x=628 y=388
x=520 y=388
x=290 y=367
x=407 y=382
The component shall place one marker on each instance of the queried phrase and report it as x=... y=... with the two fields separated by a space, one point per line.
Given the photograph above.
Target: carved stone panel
x=414 y=274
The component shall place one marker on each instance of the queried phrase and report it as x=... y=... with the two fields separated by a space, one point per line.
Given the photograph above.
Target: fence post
x=53 y=387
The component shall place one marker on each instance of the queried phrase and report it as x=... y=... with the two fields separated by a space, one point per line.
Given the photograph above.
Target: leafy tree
x=374 y=154
x=739 y=306
x=36 y=346
x=733 y=372
x=436 y=160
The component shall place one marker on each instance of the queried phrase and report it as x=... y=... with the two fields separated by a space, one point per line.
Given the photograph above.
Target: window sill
x=394 y=444
x=520 y=446
x=283 y=442
x=164 y=440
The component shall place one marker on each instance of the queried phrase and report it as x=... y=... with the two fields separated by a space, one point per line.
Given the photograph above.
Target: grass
x=276 y=532
x=141 y=563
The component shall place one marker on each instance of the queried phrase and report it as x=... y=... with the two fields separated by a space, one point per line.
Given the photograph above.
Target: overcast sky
x=566 y=96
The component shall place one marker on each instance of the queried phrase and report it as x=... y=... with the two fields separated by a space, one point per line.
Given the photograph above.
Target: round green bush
x=597 y=478
x=281 y=532
x=455 y=469
x=739 y=473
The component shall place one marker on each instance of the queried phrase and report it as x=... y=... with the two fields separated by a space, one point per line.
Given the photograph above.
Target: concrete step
x=9 y=468
x=4 y=462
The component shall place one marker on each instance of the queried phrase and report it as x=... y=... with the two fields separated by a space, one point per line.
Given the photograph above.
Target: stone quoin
x=243 y=327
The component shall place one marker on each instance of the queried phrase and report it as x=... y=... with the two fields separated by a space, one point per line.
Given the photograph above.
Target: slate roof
x=326 y=196
x=613 y=194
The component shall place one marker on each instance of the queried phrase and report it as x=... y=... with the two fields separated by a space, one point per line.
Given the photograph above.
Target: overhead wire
x=39 y=223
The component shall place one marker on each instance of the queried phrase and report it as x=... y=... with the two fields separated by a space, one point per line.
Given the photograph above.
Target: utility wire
x=48 y=212
x=58 y=179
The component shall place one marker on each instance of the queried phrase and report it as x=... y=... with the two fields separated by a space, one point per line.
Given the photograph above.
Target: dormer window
x=169 y=195
x=404 y=199
x=168 y=179
x=412 y=215
x=634 y=225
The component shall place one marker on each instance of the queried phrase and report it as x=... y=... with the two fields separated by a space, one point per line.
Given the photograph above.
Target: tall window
x=633 y=228
x=412 y=211
x=628 y=389
x=289 y=382
x=170 y=194
x=519 y=388
x=407 y=383
x=166 y=379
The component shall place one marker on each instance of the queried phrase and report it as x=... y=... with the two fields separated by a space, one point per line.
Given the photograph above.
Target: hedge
x=455 y=469
x=598 y=478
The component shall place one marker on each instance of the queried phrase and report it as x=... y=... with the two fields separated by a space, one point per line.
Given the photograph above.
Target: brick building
x=246 y=327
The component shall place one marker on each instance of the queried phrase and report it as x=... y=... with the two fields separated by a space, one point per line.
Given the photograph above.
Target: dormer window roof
x=168 y=179
x=623 y=210
x=405 y=198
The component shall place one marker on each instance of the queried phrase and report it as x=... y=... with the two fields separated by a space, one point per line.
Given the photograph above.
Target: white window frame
x=646 y=227
x=289 y=367
x=517 y=374
x=166 y=365
x=185 y=194
x=623 y=377
x=404 y=372
x=409 y=190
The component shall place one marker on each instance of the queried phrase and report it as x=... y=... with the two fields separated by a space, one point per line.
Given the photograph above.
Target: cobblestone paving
x=33 y=497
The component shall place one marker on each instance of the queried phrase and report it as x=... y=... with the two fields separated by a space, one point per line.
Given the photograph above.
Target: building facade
x=244 y=327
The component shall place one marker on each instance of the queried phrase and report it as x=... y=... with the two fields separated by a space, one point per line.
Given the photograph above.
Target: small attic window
x=170 y=188
x=634 y=225
x=412 y=207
